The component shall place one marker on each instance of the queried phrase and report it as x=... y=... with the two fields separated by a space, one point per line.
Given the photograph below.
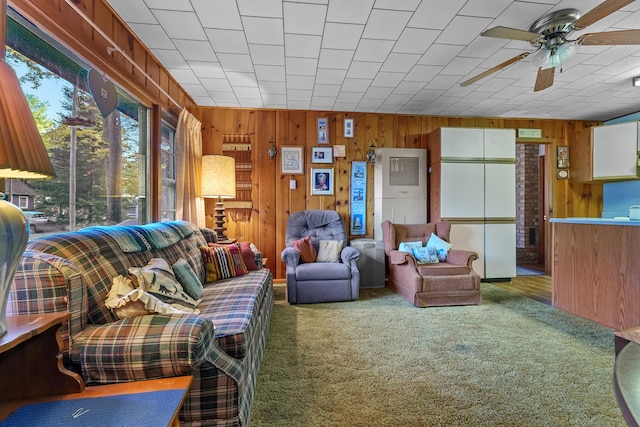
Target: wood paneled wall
x=274 y=200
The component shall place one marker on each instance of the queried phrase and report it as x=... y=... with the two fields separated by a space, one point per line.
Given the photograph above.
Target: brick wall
x=527 y=205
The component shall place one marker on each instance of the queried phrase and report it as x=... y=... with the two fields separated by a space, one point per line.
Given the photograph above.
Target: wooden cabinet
x=472 y=185
x=605 y=153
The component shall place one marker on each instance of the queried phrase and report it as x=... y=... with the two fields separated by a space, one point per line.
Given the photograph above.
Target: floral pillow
x=442 y=246
x=426 y=255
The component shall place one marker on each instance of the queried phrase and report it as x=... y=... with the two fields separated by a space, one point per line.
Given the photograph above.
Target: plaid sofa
x=221 y=347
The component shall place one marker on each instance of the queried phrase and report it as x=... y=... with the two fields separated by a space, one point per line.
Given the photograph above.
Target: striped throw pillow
x=223 y=262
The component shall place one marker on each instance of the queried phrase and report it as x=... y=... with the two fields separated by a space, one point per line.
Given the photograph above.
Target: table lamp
x=22 y=155
x=219 y=181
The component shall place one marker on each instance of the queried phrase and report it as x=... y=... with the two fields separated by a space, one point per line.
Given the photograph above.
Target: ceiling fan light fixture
x=635 y=81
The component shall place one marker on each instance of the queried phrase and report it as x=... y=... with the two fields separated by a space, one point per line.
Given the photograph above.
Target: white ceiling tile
x=409 y=5
x=217 y=13
x=335 y=58
x=386 y=24
x=300 y=82
x=235 y=62
x=208 y=69
x=263 y=30
x=356 y=85
x=327 y=76
x=302 y=18
x=273 y=73
x=130 y=12
x=341 y=36
x=227 y=41
x=373 y=50
x=400 y=62
x=328 y=64
x=363 y=70
x=196 y=50
x=302 y=45
x=462 y=30
x=267 y=54
x=217 y=85
x=180 y=25
x=415 y=40
x=387 y=79
x=430 y=15
x=171 y=58
x=153 y=36
x=352 y=11
x=237 y=79
x=302 y=66
x=267 y=8
x=327 y=90
x=273 y=88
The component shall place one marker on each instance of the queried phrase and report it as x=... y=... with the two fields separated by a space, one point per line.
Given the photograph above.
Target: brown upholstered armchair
x=452 y=282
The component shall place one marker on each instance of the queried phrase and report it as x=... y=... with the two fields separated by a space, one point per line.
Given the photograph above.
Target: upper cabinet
x=605 y=153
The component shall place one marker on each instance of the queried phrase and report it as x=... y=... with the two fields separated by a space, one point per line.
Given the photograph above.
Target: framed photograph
x=348 y=128
x=563 y=156
x=321 y=182
x=292 y=160
x=321 y=155
x=323 y=131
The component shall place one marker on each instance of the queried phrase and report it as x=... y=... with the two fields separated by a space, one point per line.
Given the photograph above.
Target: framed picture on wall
x=321 y=155
x=323 y=130
x=321 y=182
x=563 y=156
x=348 y=128
x=292 y=160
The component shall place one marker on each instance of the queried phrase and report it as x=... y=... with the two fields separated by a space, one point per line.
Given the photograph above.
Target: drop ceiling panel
x=393 y=56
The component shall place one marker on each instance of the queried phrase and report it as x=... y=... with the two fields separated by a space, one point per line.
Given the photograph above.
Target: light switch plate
x=293 y=184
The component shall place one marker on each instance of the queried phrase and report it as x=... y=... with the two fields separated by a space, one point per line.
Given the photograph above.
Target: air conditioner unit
x=371 y=262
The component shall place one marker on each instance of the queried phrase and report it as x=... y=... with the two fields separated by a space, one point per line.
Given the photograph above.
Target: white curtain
x=189 y=203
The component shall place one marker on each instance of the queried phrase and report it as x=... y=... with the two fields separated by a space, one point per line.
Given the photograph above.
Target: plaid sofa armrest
x=143 y=347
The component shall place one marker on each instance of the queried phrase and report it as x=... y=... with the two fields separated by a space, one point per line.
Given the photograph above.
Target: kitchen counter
x=594 y=273
x=597 y=221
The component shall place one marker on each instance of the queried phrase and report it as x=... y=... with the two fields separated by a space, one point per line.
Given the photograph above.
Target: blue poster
x=358 y=198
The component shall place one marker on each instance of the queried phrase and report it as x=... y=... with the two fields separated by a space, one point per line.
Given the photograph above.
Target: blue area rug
x=150 y=409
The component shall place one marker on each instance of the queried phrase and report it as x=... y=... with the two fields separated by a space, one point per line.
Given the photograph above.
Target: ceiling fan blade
x=510 y=33
x=626 y=37
x=494 y=69
x=605 y=8
x=544 y=78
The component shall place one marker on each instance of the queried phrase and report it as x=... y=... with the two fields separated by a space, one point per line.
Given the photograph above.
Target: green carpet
x=379 y=361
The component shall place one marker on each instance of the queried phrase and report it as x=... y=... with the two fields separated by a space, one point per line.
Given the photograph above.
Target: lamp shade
x=22 y=152
x=218 y=176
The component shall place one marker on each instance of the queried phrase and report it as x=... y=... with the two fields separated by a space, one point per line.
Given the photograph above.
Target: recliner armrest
x=349 y=254
x=290 y=256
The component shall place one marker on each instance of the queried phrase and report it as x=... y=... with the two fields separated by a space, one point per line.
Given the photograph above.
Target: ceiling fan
x=549 y=35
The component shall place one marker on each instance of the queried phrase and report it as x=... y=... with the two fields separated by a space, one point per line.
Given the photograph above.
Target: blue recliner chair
x=312 y=282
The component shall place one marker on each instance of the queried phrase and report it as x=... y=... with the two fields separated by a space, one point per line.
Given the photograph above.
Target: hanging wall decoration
x=104 y=92
x=239 y=147
x=358 y=198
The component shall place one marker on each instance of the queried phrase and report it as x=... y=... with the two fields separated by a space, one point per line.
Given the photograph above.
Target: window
x=101 y=162
x=23 y=202
x=168 y=173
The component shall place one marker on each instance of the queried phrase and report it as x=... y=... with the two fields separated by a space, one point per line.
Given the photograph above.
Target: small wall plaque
x=529 y=133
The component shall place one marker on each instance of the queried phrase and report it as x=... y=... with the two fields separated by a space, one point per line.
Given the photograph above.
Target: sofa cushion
x=442 y=246
x=305 y=248
x=329 y=250
x=326 y=271
x=187 y=278
x=248 y=256
x=223 y=262
x=442 y=269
